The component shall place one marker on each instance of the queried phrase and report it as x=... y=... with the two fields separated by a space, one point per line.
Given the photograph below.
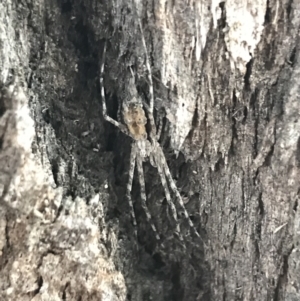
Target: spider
x=144 y=146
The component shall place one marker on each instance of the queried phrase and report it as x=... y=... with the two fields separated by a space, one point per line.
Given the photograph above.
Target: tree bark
x=226 y=89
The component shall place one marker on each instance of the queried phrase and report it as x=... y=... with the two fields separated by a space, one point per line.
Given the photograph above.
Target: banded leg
x=139 y=164
x=151 y=90
x=168 y=198
x=160 y=126
x=105 y=116
x=129 y=186
x=175 y=190
x=149 y=108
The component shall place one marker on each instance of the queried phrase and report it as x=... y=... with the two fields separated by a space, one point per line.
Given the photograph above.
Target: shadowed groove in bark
x=63 y=212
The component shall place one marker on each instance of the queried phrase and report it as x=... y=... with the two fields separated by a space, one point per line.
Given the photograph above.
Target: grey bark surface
x=229 y=105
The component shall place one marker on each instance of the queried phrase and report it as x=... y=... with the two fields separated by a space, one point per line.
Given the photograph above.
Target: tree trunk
x=226 y=96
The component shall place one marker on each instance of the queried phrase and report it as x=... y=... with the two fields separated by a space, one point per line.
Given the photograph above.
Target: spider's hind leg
x=143 y=194
x=129 y=187
x=168 y=198
x=175 y=190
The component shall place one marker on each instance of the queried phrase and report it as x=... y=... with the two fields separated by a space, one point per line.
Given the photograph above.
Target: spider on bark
x=144 y=146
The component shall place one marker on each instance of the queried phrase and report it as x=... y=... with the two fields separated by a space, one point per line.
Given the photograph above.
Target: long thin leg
x=175 y=190
x=139 y=164
x=149 y=108
x=151 y=90
x=129 y=185
x=106 y=117
x=168 y=197
x=160 y=125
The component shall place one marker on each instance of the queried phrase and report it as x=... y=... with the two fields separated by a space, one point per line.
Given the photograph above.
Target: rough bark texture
x=226 y=82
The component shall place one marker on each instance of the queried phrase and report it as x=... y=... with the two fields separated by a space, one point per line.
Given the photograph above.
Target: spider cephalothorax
x=135 y=120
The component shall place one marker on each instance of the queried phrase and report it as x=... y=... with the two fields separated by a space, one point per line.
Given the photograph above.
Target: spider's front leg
x=105 y=116
x=149 y=108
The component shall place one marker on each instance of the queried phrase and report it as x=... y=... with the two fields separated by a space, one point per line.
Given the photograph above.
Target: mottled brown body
x=135 y=119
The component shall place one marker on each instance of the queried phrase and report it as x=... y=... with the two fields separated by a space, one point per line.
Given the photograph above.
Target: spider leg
x=106 y=117
x=151 y=90
x=139 y=164
x=129 y=185
x=175 y=190
x=149 y=107
x=168 y=198
x=160 y=126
